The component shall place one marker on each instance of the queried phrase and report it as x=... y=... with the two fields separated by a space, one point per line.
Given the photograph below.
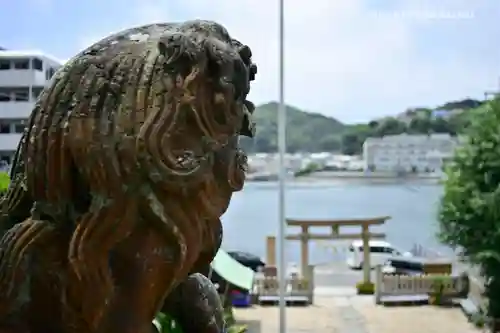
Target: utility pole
x=282 y=169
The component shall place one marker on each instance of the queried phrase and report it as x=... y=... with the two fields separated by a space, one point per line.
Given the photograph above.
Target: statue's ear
x=252 y=72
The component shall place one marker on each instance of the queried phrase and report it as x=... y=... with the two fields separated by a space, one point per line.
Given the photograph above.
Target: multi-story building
x=23 y=75
x=408 y=153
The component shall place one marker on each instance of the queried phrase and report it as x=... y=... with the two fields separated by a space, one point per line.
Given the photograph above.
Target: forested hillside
x=313 y=132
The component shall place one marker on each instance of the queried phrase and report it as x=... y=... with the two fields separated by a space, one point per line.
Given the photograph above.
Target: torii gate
x=334 y=225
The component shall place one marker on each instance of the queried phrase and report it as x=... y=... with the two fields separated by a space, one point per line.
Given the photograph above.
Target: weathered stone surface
x=196 y=305
x=129 y=159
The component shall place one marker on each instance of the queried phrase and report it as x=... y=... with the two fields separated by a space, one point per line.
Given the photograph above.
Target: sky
x=354 y=60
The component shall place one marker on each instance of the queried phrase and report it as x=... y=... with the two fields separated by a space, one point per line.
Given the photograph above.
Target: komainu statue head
x=205 y=79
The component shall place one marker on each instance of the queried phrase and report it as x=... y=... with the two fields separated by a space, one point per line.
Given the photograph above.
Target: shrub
x=237 y=329
x=166 y=324
x=469 y=215
x=4 y=182
x=365 y=288
x=437 y=294
x=233 y=326
x=310 y=168
x=229 y=315
x=478 y=319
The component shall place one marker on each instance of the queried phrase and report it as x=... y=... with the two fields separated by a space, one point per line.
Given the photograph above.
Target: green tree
x=351 y=144
x=459 y=122
x=440 y=125
x=329 y=143
x=419 y=125
x=391 y=126
x=469 y=216
x=373 y=124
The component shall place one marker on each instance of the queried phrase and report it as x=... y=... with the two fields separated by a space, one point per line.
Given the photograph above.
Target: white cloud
x=340 y=54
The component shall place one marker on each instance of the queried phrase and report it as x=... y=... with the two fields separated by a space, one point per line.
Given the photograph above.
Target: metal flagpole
x=282 y=168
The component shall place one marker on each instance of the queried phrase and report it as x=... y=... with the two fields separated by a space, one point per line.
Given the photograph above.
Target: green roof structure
x=232 y=271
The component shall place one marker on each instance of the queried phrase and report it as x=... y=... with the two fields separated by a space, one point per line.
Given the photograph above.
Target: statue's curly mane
x=139 y=128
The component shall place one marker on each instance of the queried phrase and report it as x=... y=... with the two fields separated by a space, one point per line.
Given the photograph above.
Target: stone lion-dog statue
x=128 y=161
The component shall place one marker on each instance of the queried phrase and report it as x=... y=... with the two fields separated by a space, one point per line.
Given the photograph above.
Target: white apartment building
x=408 y=153
x=23 y=75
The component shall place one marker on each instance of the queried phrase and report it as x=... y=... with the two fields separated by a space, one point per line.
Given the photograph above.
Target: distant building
x=440 y=113
x=23 y=75
x=408 y=153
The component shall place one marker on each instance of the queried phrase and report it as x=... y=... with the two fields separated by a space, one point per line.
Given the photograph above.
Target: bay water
x=254 y=214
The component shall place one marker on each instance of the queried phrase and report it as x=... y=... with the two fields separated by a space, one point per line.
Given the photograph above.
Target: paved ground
x=336 y=276
x=317 y=318
x=338 y=309
x=412 y=319
x=356 y=314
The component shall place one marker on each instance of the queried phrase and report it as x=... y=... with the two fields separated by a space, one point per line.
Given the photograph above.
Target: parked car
x=380 y=252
